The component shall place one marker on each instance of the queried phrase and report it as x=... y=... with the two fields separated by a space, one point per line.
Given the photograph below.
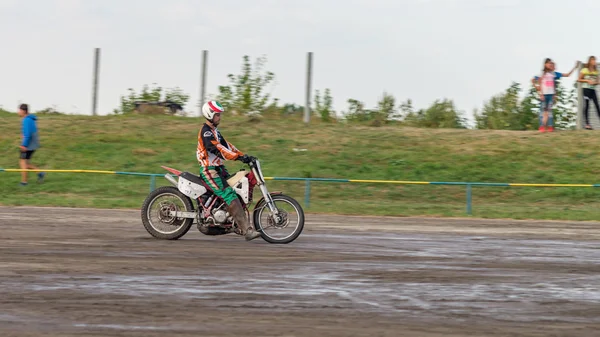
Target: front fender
x=262 y=200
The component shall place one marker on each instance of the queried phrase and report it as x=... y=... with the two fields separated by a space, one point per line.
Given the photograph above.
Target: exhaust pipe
x=171 y=179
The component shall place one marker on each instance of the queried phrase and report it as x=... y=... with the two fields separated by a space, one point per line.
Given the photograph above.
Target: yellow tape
x=350 y=180
x=390 y=182
x=552 y=185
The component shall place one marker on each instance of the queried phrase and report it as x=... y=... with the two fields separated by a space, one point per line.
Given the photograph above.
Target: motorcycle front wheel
x=155 y=213
x=283 y=230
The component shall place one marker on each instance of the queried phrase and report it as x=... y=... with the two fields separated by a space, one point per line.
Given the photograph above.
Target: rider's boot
x=237 y=211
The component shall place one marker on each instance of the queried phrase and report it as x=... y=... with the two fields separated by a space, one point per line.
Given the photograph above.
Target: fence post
x=203 y=81
x=152 y=183
x=95 y=83
x=579 y=125
x=469 y=199
x=307 y=194
x=308 y=87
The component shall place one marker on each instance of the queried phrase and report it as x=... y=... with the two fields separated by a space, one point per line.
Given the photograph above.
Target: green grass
x=144 y=143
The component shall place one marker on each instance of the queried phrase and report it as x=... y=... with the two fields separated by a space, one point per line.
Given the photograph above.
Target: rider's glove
x=245 y=159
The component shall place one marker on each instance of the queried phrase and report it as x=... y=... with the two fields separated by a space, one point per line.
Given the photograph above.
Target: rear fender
x=172 y=170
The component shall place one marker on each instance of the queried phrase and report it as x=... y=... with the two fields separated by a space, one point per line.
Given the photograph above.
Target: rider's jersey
x=213 y=149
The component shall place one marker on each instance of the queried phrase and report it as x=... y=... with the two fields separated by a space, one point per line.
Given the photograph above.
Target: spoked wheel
x=287 y=227
x=156 y=213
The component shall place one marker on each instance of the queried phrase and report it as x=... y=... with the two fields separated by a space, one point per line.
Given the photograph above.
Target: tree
x=386 y=109
x=324 y=106
x=292 y=109
x=502 y=111
x=565 y=107
x=384 y=112
x=357 y=112
x=441 y=114
x=176 y=95
x=154 y=94
x=506 y=111
x=246 y=91
x=406 y=109
x=530 y=107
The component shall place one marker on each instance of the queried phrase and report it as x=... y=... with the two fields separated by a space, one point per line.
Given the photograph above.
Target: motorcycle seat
x=234 y=179
x=193 y=178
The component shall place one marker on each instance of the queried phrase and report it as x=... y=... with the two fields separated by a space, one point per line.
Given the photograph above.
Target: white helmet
x=210 y=108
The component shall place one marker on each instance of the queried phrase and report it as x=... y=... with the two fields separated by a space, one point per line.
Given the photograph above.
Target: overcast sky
x=467 y=50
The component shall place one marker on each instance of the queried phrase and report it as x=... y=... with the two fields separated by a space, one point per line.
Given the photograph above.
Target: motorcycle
x=172 y=218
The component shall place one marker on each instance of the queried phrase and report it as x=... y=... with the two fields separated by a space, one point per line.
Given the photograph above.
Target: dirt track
x=74 y=272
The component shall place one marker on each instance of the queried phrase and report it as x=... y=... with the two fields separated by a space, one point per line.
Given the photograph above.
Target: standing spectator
x=589 y=77
x=30 y=143
x=547 y=91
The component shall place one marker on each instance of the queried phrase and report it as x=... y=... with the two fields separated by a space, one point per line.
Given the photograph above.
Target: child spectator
x=547 y=90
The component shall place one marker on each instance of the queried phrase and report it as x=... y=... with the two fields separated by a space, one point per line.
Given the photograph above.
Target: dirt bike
x=172 y=219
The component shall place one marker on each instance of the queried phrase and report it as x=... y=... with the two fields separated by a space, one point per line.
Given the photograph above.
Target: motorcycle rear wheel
x=176 y=227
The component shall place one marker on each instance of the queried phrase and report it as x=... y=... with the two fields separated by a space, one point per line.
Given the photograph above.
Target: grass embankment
x=144 y=143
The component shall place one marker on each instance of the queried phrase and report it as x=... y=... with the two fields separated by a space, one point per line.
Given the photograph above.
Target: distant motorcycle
x=168 y=212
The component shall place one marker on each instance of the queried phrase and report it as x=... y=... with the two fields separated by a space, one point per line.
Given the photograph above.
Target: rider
x=213 y=149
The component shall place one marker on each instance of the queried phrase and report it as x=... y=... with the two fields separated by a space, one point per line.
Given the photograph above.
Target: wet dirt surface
x=78 y=272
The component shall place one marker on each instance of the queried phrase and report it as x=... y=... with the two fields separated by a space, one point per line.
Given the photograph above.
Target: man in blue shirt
x=29 y=144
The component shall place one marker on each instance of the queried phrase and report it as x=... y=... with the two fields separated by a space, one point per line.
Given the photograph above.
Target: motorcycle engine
x=220 y=216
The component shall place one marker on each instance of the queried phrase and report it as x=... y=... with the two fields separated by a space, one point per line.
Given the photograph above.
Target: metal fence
x=307 y=181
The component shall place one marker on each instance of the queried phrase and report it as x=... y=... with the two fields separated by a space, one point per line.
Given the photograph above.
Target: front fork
x=268 y=199
x=267 y=196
